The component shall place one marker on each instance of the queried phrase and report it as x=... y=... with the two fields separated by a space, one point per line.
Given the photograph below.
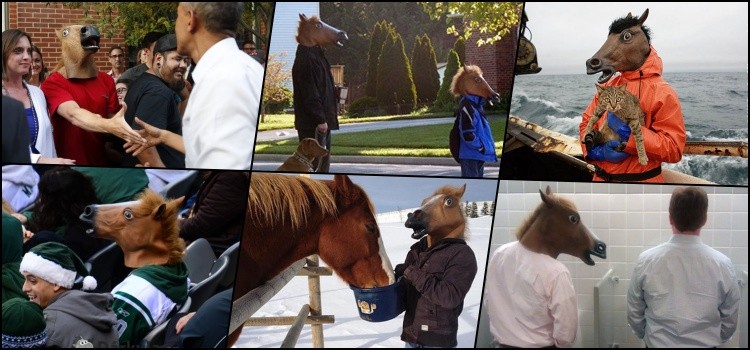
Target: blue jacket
x=474 y=130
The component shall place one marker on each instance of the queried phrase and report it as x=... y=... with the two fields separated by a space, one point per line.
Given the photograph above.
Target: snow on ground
x=351 y=331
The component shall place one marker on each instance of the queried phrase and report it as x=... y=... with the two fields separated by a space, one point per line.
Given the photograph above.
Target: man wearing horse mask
x=315 y=113
x=628 y=51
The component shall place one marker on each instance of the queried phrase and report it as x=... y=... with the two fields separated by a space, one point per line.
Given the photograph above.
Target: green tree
x=445 y=100
x=379 y=33
x=460 y=48
x=424 y=67
x=493 y=20
x=277 y=78
x=474 y=211
x=135 y=19
x=395 y=88
x=467 y=209
x=358 y=20
x=485 y=209
x=492 y=209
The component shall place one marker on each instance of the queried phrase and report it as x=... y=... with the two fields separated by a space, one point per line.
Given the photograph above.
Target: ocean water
x=715 y=107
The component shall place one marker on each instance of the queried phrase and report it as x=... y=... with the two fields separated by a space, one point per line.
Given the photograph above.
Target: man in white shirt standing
x=220 y=120
x=684 y=293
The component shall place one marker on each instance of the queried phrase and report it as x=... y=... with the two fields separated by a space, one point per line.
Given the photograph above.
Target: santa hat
x=55 y=263
x=23 y=324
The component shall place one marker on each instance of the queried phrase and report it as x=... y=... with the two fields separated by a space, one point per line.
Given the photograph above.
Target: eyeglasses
x=117 y=56
x=122 y=90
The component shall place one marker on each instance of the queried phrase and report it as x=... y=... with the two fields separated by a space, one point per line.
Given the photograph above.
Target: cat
x=625 y=106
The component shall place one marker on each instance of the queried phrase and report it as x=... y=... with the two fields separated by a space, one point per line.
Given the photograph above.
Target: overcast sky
x=697 y=37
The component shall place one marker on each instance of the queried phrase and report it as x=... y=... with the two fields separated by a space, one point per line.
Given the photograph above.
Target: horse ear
x=159 y=211
x=463 y=189
x=302 y=17
x=643 y=17
x=546 y=197
x=176 y=203
x=342 y=190
x=629 y=16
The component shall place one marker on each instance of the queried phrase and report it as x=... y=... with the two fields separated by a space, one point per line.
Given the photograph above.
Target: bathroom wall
x=630 y=219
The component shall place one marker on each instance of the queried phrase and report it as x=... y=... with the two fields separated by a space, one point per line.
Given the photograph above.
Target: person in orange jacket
x=664 y=129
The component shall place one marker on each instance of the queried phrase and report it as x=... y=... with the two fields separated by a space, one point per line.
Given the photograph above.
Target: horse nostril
x=418 y=214
x=594 y=62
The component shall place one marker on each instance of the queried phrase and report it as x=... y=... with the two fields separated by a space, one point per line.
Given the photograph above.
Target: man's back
x=530 y=299
x=683 y=294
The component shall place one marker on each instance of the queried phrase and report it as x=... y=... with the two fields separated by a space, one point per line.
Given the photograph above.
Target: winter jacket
x=219 y=211
x=664 y=129
x=314 y=93
x=437 y=280
x=147 y=298
x=12 y=253
x=75 y=318
x=474 y=130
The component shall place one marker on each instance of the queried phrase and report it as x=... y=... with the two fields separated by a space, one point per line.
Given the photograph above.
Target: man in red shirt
x=83 y=101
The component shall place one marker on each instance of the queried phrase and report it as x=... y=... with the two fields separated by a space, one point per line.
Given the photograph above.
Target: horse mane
x=558 y=201
x=302 y=24
x=457 y=89
x=150 y=200
x=277 y=198
x=623 y=23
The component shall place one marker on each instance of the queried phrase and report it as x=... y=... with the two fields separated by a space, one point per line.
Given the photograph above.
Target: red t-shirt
x=97 y=95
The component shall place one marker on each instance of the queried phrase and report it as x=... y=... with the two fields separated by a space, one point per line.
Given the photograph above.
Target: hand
x=27 y=235
x=182 y=322
x=151 y=134
x=399 y=270
x=607 y=152
x=620 y=127
x=119 y=127
x=323 y=128
x=63 y=161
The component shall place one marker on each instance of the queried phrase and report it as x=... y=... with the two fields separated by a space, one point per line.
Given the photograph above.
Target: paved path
x=384 y=166
x=273 y=135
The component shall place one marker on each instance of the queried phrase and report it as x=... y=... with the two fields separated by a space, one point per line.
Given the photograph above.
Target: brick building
x=497 y=61
x=41 y=19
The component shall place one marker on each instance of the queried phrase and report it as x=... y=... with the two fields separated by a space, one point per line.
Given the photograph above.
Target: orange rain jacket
x=664 y=130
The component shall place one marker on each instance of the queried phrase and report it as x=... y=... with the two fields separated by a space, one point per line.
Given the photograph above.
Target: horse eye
x=128 y=214
x=478 y=79
x=65 y=32
x=573 y=219
x=449 y=201
x=627 y=36
x=318 y=25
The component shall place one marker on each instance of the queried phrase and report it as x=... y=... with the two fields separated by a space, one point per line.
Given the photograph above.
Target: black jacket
x=15 y=133
x=314 y=96
x=436 y=282
x=219 y=210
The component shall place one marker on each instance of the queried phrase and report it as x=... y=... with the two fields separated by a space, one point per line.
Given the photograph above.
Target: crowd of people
x=45 y=245
x=195 y=91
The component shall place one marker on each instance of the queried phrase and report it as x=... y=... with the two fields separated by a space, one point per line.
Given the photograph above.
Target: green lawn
x=286 y=121
x=416 y=141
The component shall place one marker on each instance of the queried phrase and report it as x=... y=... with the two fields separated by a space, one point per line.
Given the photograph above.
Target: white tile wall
x=630 y=219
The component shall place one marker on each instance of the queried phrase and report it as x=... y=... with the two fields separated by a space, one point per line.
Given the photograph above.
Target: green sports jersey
x=146 y=298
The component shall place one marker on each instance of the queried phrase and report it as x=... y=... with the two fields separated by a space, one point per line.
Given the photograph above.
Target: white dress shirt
x=530 y=299
x=221 y=116
x=683 y=294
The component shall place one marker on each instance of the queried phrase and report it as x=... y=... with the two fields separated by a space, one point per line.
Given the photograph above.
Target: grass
x=415 y=141
x=286 y=121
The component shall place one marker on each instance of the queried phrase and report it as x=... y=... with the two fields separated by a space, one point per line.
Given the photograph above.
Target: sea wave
x=721 y=170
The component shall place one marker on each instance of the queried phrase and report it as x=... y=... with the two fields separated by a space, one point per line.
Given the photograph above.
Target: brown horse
x=626 y=48
x=291 y=217
x=470 y=81
x=146 y=229
x=312 y=32
x=440 y=216
x=555 y=227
